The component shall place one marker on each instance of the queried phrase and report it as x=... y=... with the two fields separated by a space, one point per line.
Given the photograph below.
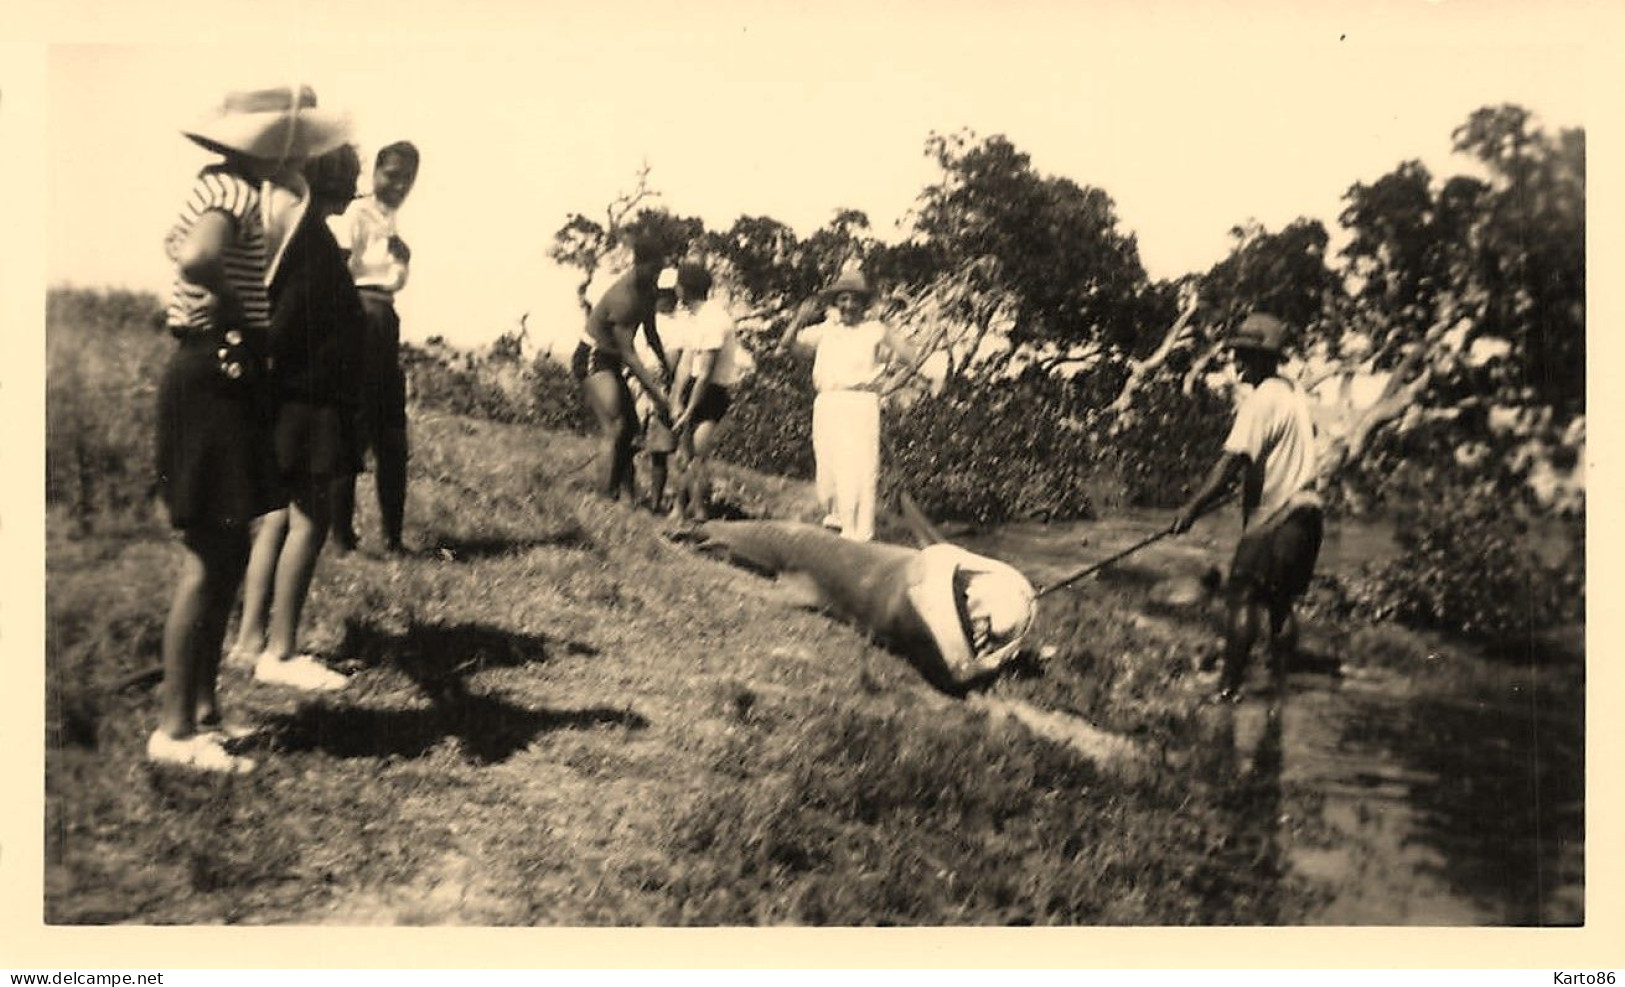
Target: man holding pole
x=1271 y=448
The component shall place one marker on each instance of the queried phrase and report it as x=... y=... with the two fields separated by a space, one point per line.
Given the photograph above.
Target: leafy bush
x=1163 y=452
x=994 y=451
x=990 y=453
x=1469 y=563
x=497 y=387
x=105 y=354
x=770 y=419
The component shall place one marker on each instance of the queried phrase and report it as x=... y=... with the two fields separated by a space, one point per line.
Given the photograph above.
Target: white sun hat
x=276 y=124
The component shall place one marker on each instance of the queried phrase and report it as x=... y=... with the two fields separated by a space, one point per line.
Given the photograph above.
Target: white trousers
x=846 y=444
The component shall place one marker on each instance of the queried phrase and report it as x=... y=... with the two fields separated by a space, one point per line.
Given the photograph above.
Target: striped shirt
x=220 y=190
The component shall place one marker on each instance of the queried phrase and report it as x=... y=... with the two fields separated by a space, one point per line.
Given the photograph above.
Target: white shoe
x=200 y=752
x=227 y=733
x=299 y=672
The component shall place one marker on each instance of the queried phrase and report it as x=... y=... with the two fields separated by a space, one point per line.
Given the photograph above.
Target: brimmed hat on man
x=1261 y=333
x=850 y=280
x=278 y=124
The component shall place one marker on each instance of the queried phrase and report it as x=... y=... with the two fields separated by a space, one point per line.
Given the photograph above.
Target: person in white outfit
x=851 y=359
x=706 y=355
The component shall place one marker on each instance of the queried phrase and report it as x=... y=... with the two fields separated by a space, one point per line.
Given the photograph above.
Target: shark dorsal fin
x=920 y=526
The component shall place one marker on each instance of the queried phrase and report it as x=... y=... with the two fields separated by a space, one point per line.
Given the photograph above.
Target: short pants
x=1278 y=560
x=589 y=360
x=713 y=404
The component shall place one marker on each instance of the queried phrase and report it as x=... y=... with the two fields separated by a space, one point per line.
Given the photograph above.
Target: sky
x=1194 y=118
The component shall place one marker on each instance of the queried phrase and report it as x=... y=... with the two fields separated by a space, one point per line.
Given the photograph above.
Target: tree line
x=1465 y=294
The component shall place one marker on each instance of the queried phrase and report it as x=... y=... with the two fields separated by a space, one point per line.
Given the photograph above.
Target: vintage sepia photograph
x=849 y=466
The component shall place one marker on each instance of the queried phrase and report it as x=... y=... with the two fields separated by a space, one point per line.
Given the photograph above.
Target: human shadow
x=490 y=728
x=439 y=659
x=1131 y=576
x=571 y=537
x=1243 y=754
x=431 y=654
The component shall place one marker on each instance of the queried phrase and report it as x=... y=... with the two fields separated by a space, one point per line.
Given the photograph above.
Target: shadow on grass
x=1131 y=576
x=490 y=728
x=571 y=537
x=438 y=660
x=433 y=654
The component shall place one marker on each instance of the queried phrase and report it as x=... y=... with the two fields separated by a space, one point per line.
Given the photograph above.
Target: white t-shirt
x=708 y=328
x=848 y=357
x=1276 y=432
x=364 y=230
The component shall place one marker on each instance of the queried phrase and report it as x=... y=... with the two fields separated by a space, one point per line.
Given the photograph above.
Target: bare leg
x=269 y=532
x=681 y=463
x=1283 y=642
x=1243 y=619
x=659 y=467
x=307 y=531
x=196 y=625
x=698 y=477
x=608 y=399
x=391 y=457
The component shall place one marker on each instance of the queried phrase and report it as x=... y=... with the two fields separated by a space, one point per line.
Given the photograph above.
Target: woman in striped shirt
x=216 y=462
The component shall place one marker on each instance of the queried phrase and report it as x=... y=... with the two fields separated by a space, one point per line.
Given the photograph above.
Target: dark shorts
x=383 y=382
x=589 y=360
x=713 y=404
x=1278 y=561
x=216 y=457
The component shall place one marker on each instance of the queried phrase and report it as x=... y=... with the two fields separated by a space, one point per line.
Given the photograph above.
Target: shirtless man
x=606 y=349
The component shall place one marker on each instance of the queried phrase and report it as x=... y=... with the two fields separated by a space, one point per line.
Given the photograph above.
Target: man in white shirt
x=851 y=355
x=379 y=262
x=1271 y=447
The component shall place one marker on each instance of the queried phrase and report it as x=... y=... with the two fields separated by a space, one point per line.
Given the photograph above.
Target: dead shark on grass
x=957 y=616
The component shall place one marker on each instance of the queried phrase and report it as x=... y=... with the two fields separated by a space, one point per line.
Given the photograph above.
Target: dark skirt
x=216 y=457
x=315 y=443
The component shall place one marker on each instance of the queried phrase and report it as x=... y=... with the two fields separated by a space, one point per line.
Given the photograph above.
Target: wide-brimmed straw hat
x=276 y=124
x=852 y=281
x=1262 y=332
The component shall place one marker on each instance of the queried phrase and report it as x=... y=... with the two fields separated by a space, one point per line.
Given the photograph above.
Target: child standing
x=316 y=340
x=850 y=361
x=216 y=465
x=659 y=437
x=380 y=262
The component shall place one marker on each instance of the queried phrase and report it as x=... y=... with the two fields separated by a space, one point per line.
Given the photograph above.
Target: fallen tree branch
x=1141 y=370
